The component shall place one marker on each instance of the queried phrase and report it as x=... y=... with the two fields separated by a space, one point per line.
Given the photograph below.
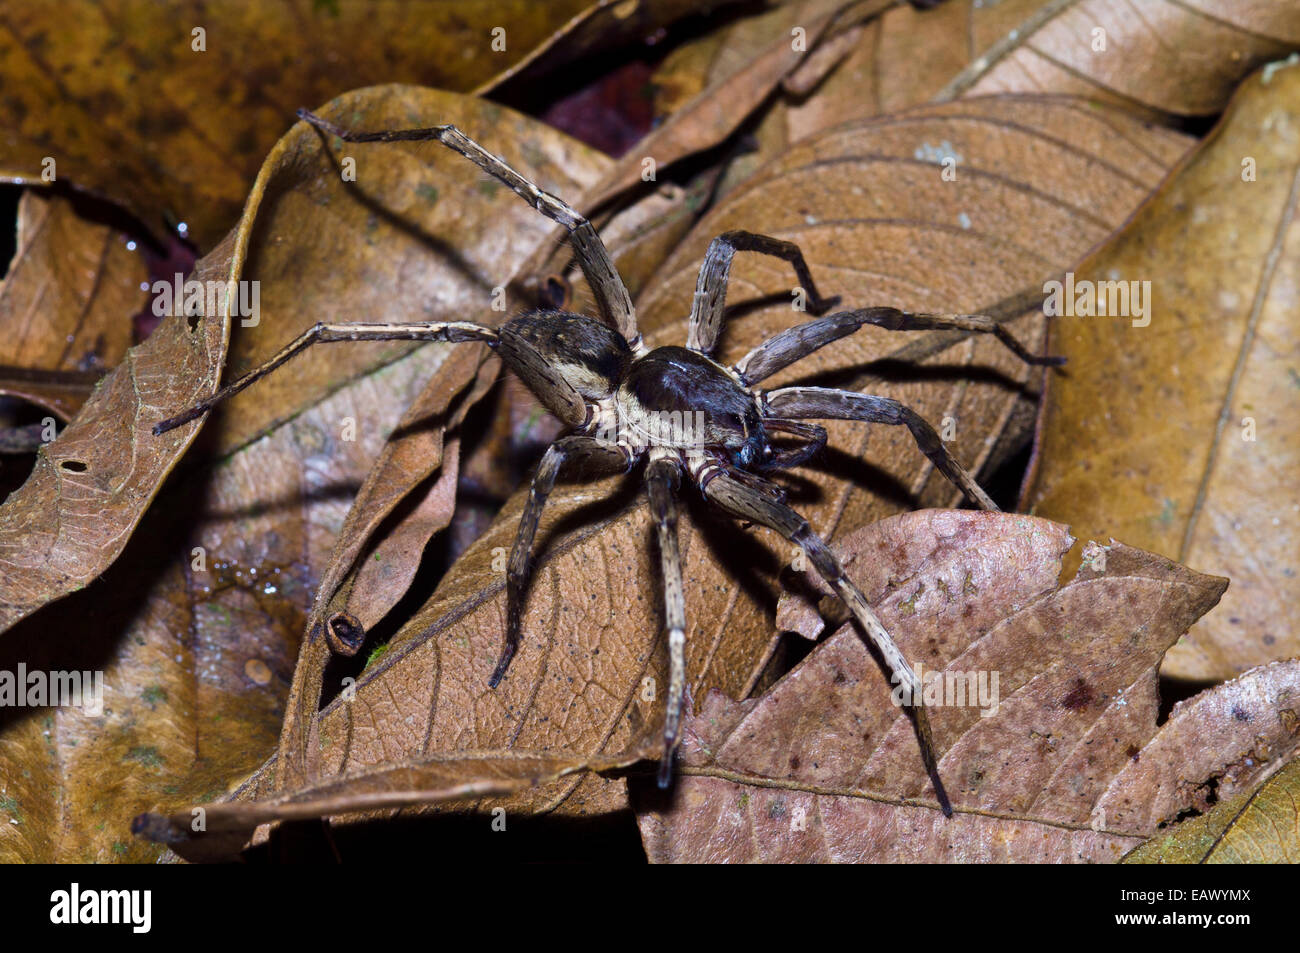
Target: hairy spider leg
x=719 y=485
x=593 y=257
x=663 y=479
x=576 y=448
x=793 y=344
x=456 y=332
x=824 y=403
x=709 y=306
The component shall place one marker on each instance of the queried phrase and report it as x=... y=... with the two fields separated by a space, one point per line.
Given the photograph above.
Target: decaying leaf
x=1190 y=59
x=603 y=25
x=226 y=828
x=766 y=50
x=180 y=126
x=1181 y=58
x=1256 y=827
x=1044 y=702
x=71 y=519
x=415 y=237
x=65 y=304
x=1175 y=425
x=195 y=630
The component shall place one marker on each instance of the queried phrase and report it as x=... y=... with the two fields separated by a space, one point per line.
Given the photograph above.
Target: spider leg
x=456 y=332
x=663 y=479
x=720 y=486
x=783 y=349
x=711 y=286
x=824 y=403
x=593 y=257
x=576 y=448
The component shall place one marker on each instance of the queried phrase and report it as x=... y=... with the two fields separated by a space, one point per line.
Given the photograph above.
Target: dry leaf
x=1258 y=827
x=1172 y=58
x=71 y=519
x=65 y=304
x=1181 y=58
x=416 y=237
x=421 y=235
x=195 y=630
x=179 y=132
x=604 y=25
x=1059 y=759
x=1180 y=436
x=763 y=54
x=379 y=792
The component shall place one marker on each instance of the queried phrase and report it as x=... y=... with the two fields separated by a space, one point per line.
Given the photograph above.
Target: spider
x=622 y=404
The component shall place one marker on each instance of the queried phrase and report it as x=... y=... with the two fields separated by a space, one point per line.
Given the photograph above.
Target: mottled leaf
x=1174 y=427
x=1043 y=700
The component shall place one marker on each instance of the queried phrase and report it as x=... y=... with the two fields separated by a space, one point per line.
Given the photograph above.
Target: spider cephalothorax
x=674 y=408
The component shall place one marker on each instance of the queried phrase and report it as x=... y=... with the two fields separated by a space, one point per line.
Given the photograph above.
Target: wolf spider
x=601 y=380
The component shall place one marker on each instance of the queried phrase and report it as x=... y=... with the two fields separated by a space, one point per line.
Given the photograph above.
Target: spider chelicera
x=623 y=403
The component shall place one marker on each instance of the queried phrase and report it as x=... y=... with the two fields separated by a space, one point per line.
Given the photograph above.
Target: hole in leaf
x=73 y=466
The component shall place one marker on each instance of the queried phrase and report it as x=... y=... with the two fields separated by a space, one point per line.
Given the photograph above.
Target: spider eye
x=748 y=452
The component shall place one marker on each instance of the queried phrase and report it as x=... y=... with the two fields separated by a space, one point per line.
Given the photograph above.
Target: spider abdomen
x=680 y=398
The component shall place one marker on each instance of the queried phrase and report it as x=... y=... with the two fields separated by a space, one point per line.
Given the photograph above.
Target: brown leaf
x=602 y=26
x=89 y=488
x=195 y=630
x=1180 y=436
x=364 y=592
x=389 y=245
x=1171 y=58
x=1257 y=827
x=592 y=620
x=366 y=794
x=421 y=234
x=752 y=61
x=65 y=304
x=1058 y=759
x=181 y=133
x=1176 y=58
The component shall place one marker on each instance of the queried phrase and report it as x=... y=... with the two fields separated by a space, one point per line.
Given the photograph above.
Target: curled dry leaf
x=1181 y=58
x=603 y=25
x=195 y=630
x=364 y=588
x=180 y=131
x=1044 y=702
x=1037 y=192
x=1189 y=59
x=1257 y=827
x=65 y=304
x=417 y=237
x=71 y=519
x=373 y=793
x=1175 y=426
x=756 y=56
